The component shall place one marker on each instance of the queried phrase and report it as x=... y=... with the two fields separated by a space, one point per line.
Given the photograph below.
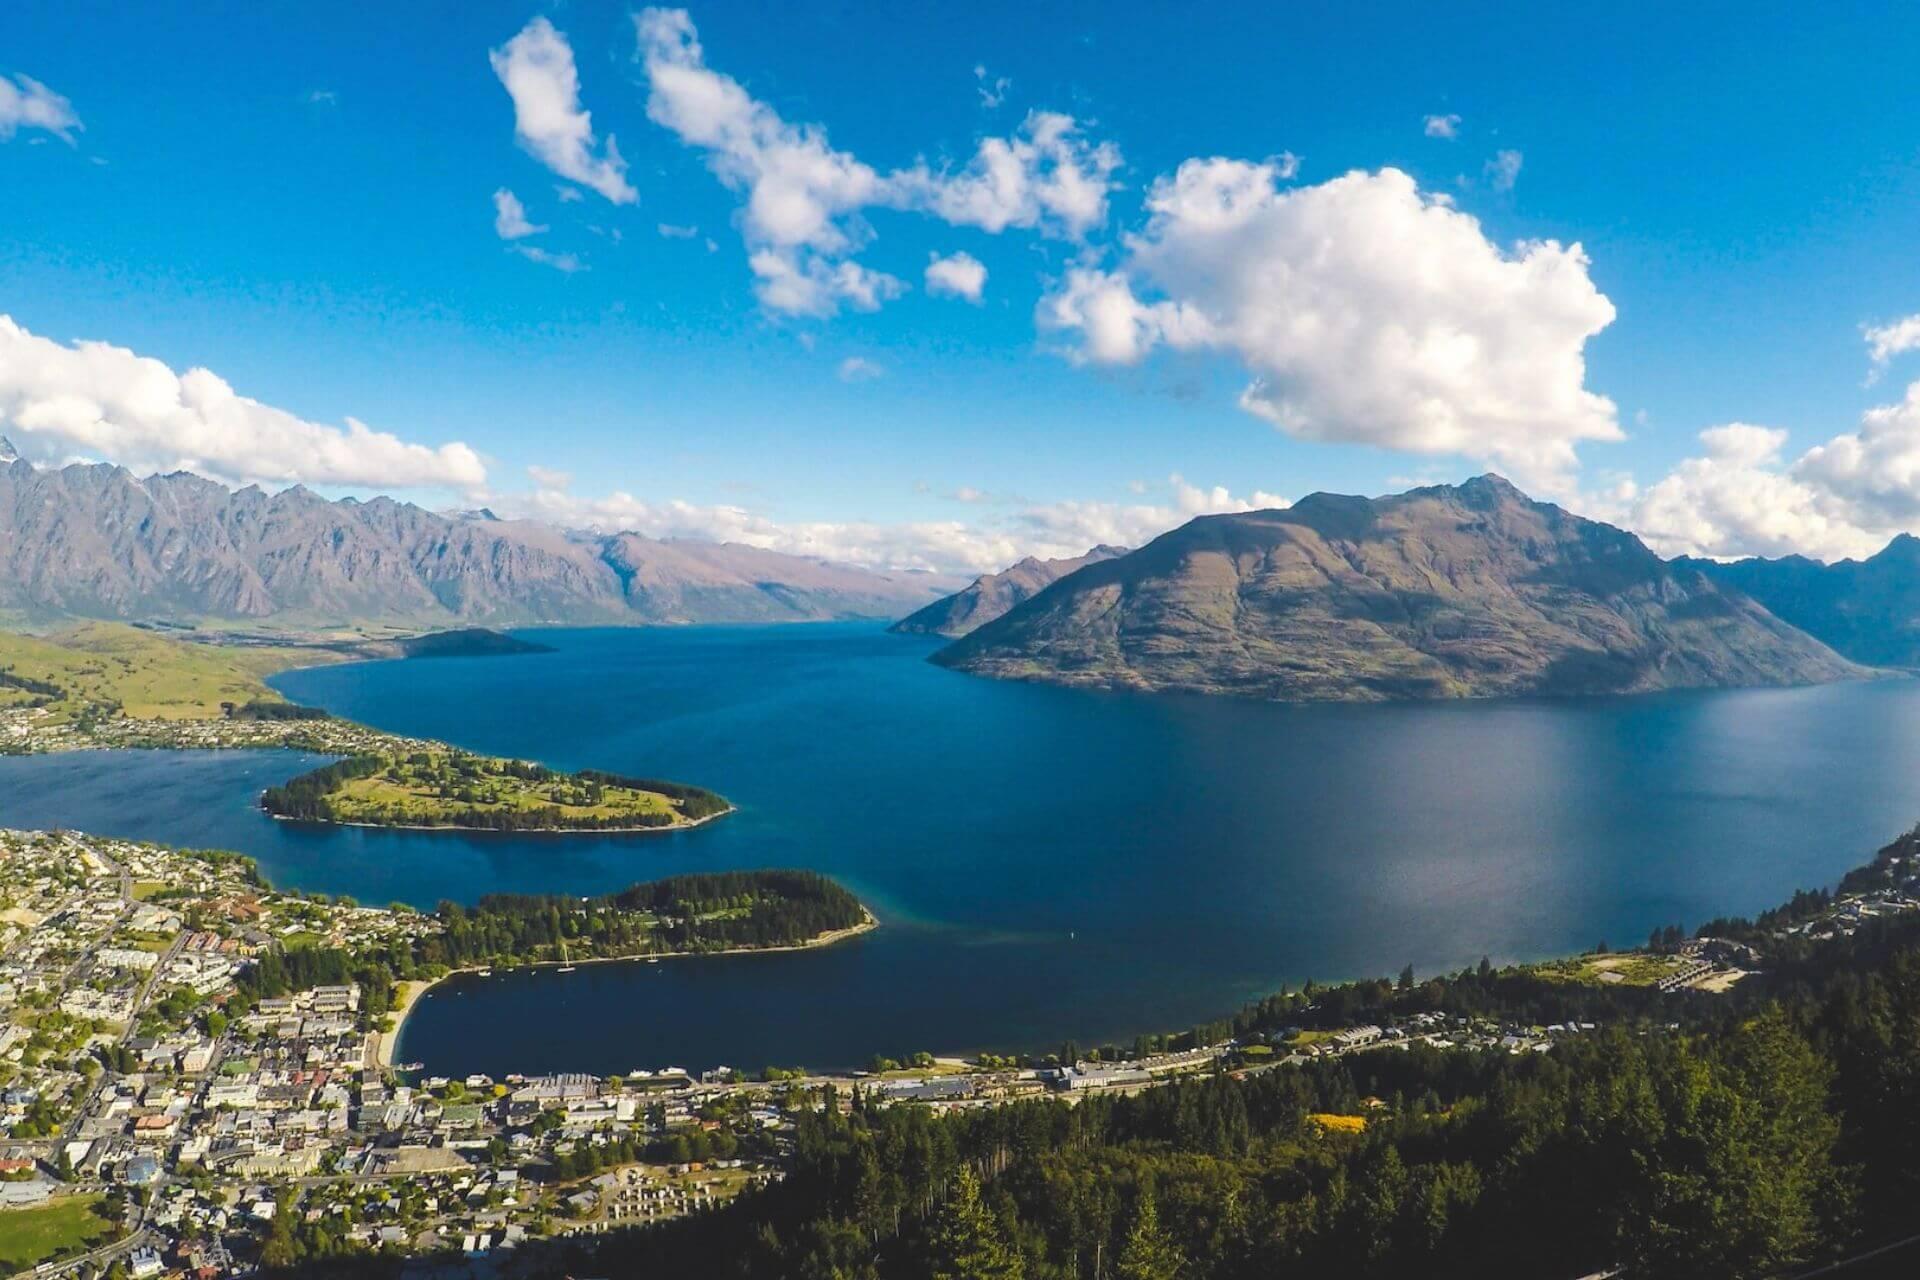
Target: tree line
x=707 y=911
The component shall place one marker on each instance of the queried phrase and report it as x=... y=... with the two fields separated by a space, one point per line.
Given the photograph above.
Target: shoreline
x=510 y=831
x=415 y=988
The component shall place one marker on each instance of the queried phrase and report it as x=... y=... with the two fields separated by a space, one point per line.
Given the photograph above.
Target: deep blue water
x=1047 y=863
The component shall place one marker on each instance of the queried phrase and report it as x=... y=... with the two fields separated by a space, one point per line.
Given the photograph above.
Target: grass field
x=67 y=1224
x=148 y=675
x=1622 y=969
x=447 y=789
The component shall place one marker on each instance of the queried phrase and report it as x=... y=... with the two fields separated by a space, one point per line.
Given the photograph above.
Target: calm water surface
x=1047 y=863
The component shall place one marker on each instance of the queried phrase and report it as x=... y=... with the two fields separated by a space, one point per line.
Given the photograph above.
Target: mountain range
x=96 y=541
x=1446 y=591
x=993 y=594
x=1868 y=609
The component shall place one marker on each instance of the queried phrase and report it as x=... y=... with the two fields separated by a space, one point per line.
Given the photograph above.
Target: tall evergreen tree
x=966 y=1243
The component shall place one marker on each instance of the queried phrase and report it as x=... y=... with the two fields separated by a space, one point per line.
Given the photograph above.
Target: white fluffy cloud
x=537 y=69
x=510 y=217
x=958 y=275
x=1844 y=497
x=859 y=369
x=1447 y=126
x=804 y=198
x=1884 y=342
x=1366 y=312
x=94 y=400
x=992 y=542
x=25 y=103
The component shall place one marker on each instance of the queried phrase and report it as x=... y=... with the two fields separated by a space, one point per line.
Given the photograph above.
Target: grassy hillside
x=102 y=664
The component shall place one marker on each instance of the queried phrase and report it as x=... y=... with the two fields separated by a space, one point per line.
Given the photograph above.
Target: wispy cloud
x=510 y=217
x=537 y=69
x=563 y=262
x=25 y=103
x=1504 y=169
x=1447 y=126
x=993 y=89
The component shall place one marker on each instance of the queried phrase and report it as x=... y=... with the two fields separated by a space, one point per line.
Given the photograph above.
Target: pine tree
x=966 y=1242
x=1149 y=1254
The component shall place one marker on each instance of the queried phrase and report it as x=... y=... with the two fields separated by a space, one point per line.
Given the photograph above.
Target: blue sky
x=304 y=204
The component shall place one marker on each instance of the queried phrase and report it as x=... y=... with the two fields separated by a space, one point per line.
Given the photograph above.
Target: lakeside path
x=413 y=989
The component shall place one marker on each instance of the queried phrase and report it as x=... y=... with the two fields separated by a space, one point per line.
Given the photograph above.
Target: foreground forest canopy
x=447 y=788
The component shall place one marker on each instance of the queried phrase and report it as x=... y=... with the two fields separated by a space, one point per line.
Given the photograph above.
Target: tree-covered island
x=444 y=787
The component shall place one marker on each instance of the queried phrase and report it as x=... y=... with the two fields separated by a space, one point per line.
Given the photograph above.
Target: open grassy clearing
x=98 y=666
x=434 y=789
x=1624 y=969
x=68 y=1224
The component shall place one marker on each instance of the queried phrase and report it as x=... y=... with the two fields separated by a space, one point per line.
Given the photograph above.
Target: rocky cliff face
x=99 y=542
x=993 y=594
x=1449 y=591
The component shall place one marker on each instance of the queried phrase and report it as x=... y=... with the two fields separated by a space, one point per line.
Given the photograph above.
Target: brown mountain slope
x=99 y=542
x=1448 y=591
x=992 y=594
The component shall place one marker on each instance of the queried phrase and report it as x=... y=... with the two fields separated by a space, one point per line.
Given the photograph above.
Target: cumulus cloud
x=671 y=231
x=958 y=275
x=997 y=539
x=1447 y=126
x=1844 y=497
x=1884 y=342
x=1046 y=176
x=859 y=369
x=804 y=198
x=510 y=217
x=1365 y=311
x=25 y=103
x=98 y=401
x=537 y=69
x=815 y=286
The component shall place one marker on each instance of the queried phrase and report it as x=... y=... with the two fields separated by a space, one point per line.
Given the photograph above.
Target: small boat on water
x=566 y=968
x=653 y=959
x=484 y=973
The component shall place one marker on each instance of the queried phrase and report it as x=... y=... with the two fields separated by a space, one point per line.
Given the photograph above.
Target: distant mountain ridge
x=993 y=594
x=1447 y=591
x=95 y=541
x=1868 y=610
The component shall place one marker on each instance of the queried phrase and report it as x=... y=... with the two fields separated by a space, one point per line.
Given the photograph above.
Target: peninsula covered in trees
x=443 y=787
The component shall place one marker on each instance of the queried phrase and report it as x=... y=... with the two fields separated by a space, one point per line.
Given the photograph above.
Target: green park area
x=63 y=1226
x=446 y=788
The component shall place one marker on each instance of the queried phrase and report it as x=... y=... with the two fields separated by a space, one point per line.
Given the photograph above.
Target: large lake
x=1047 y=863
